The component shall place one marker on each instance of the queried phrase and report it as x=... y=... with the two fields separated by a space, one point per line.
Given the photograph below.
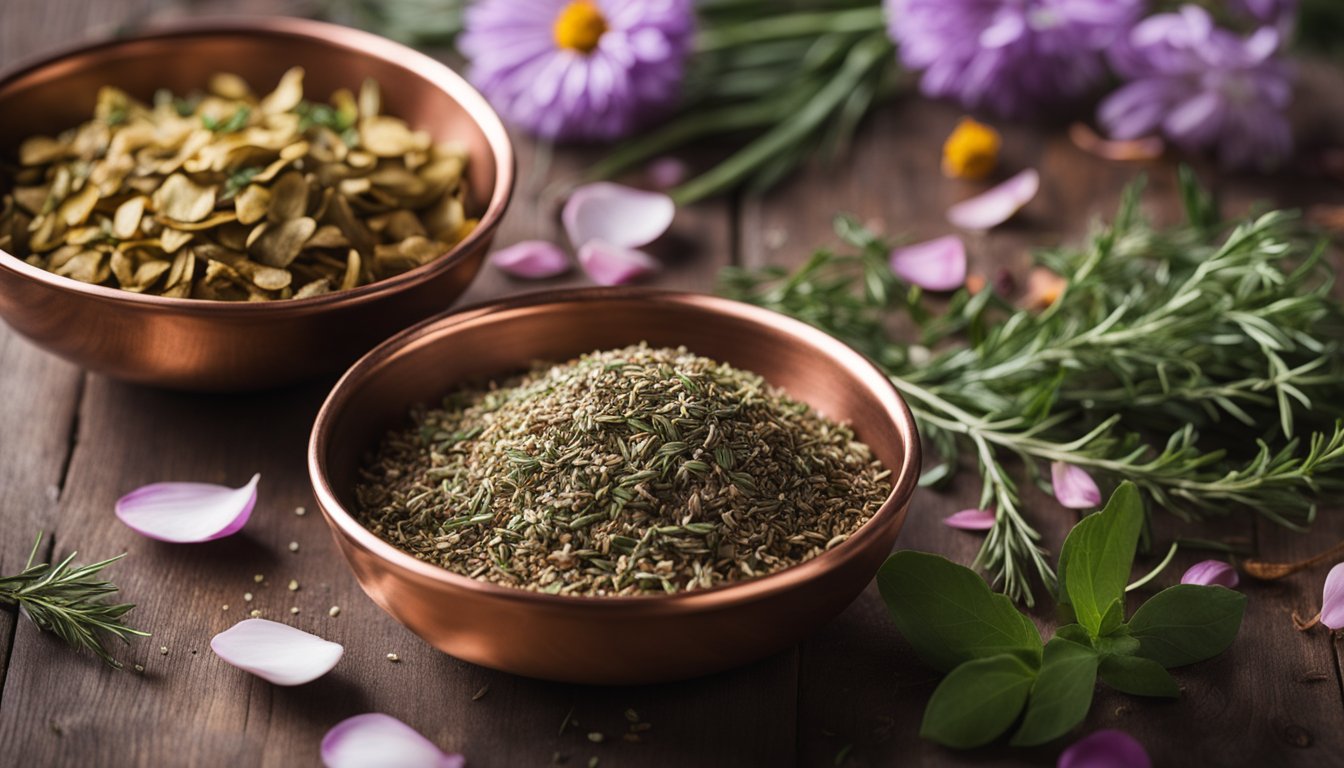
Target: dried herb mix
x=231 y=196
x=620 y=473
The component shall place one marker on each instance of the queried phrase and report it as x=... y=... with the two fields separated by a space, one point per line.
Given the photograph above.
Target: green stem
x=804 y=24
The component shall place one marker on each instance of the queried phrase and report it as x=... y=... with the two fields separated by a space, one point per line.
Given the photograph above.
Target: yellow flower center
x=579 y=26
x=972 y=150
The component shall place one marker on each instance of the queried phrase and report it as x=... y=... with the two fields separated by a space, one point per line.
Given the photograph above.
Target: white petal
x=607 y=264
x=995 y=206
x=276 y=652
x=622 y=216
x=375 y=740
x=187 y=512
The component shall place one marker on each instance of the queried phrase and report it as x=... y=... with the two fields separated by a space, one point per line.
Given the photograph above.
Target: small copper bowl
x=216 y=345
x=608 y=640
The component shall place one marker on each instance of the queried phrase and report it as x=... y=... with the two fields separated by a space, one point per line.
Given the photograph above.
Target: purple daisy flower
x=1008 y=56
x=578 y=69
x=1203 y=87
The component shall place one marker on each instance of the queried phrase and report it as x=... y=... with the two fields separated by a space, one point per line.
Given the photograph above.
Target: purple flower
x=1212 y=573
x=1280 y=13
x=1332 y=598
x=1105 y=749
x=1203 y=88
x=580 y=69
x=1008 y=56
x=1074 y=488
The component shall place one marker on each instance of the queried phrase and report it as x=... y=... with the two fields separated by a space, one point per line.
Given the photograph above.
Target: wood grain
x=852 y=694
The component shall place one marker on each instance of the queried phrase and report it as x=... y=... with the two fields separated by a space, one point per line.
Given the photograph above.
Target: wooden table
x=71 y=443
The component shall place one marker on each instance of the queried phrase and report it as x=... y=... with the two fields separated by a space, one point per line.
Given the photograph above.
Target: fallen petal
x=1074 y=488
x=608 y=264
x=971 y=520
x=936 y=265
x=666 y=172
x=1105 y=749
x=1086 y=139
x=531 y=260
x=995 y=206
x=187 y=512
x=374 y=740
x=276 y=652
x=1212 y=573
x=1043 y=288
x=619 y=215
x=1332 y=601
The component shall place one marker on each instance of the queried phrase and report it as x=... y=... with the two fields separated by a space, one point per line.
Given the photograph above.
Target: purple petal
x=374 y=740
x=531 y=260
x=276 y=652
x=938 y=264
x=1212 y=573
x=619 y=215
x=995 y=206
x=1105 y=749
x=187 y=512
x=1074 y=488
x=1332 y=601
x=971 y=520
x=666 y=172
x=608 y=264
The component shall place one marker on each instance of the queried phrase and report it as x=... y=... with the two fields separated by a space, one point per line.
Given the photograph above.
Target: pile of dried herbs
x=619 y=473
x=1203 y=362
x=232 y=196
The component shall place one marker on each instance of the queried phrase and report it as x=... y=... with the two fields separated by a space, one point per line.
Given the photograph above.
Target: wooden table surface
x=71 y=443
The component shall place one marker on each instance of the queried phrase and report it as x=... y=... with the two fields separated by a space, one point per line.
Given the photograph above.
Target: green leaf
x=1076 y=633
x=1187 y=623
x=1138 y=676
x=1061 y=695
x=948 y=613
x=1113 y=618
x=1097 y=556
x=977 y=702
x=1119 y=644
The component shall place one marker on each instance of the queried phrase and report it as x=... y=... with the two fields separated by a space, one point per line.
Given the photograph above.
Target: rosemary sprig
x=68 y=600
x=1202 y=362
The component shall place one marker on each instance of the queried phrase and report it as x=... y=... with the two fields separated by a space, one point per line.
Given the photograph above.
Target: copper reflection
x=591 y=639
x=202 y=345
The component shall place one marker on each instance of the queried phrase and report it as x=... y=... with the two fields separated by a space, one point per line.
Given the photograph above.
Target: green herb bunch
x=1201 y=362
x=69 y=600
x=1000 y=674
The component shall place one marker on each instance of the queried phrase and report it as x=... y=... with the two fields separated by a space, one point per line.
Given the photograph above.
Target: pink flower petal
x=1074 y=488
x=608 y=264
x=666 y=172
x=1212 y=573
x=1105 y=749
x=375 y=740
x=1332 y=601
x=995 y=206
x=937 y=265
x=620 y=215
x=187 y=512
x=531 y=260
x=971 y=520
x=276 y=652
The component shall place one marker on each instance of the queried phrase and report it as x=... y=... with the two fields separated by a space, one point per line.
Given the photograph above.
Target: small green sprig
x=999 y=672
x=1203 y=363
x=68 y=600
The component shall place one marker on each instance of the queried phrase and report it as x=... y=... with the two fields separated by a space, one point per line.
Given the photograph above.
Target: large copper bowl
x=207 y=345
x=594 y=639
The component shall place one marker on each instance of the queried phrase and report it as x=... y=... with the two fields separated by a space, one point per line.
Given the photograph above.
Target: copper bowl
x=215 y=345
x=608 y=640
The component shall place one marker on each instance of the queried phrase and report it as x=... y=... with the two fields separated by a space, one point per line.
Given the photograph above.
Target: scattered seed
x=255 y=613
x=300 y=511
x=247 y=597
x=163 y=650
x=592 y=762
x=393 y=657
x=293 y=585
x=224 y=607
x=481 y=693
x=293 y=546
x=334 y=611
x=294 y=609
x=139 y=667
x=258 y=578
x=596 y=737
x=632 y=715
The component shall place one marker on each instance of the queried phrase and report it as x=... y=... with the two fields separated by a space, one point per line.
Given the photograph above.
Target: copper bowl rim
x=343 y=523
x=346 y=39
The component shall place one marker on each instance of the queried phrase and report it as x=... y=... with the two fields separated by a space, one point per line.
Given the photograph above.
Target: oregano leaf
x=1112 y=618
x=977 y=702
x=1138 y=676
x=1076 y=633
x=1098 y=554
x=1061 y=695
x=1187 y=623
x=949 y=615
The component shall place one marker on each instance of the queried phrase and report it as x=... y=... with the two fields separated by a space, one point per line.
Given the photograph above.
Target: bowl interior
x=50 y=97
x=424 y=363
